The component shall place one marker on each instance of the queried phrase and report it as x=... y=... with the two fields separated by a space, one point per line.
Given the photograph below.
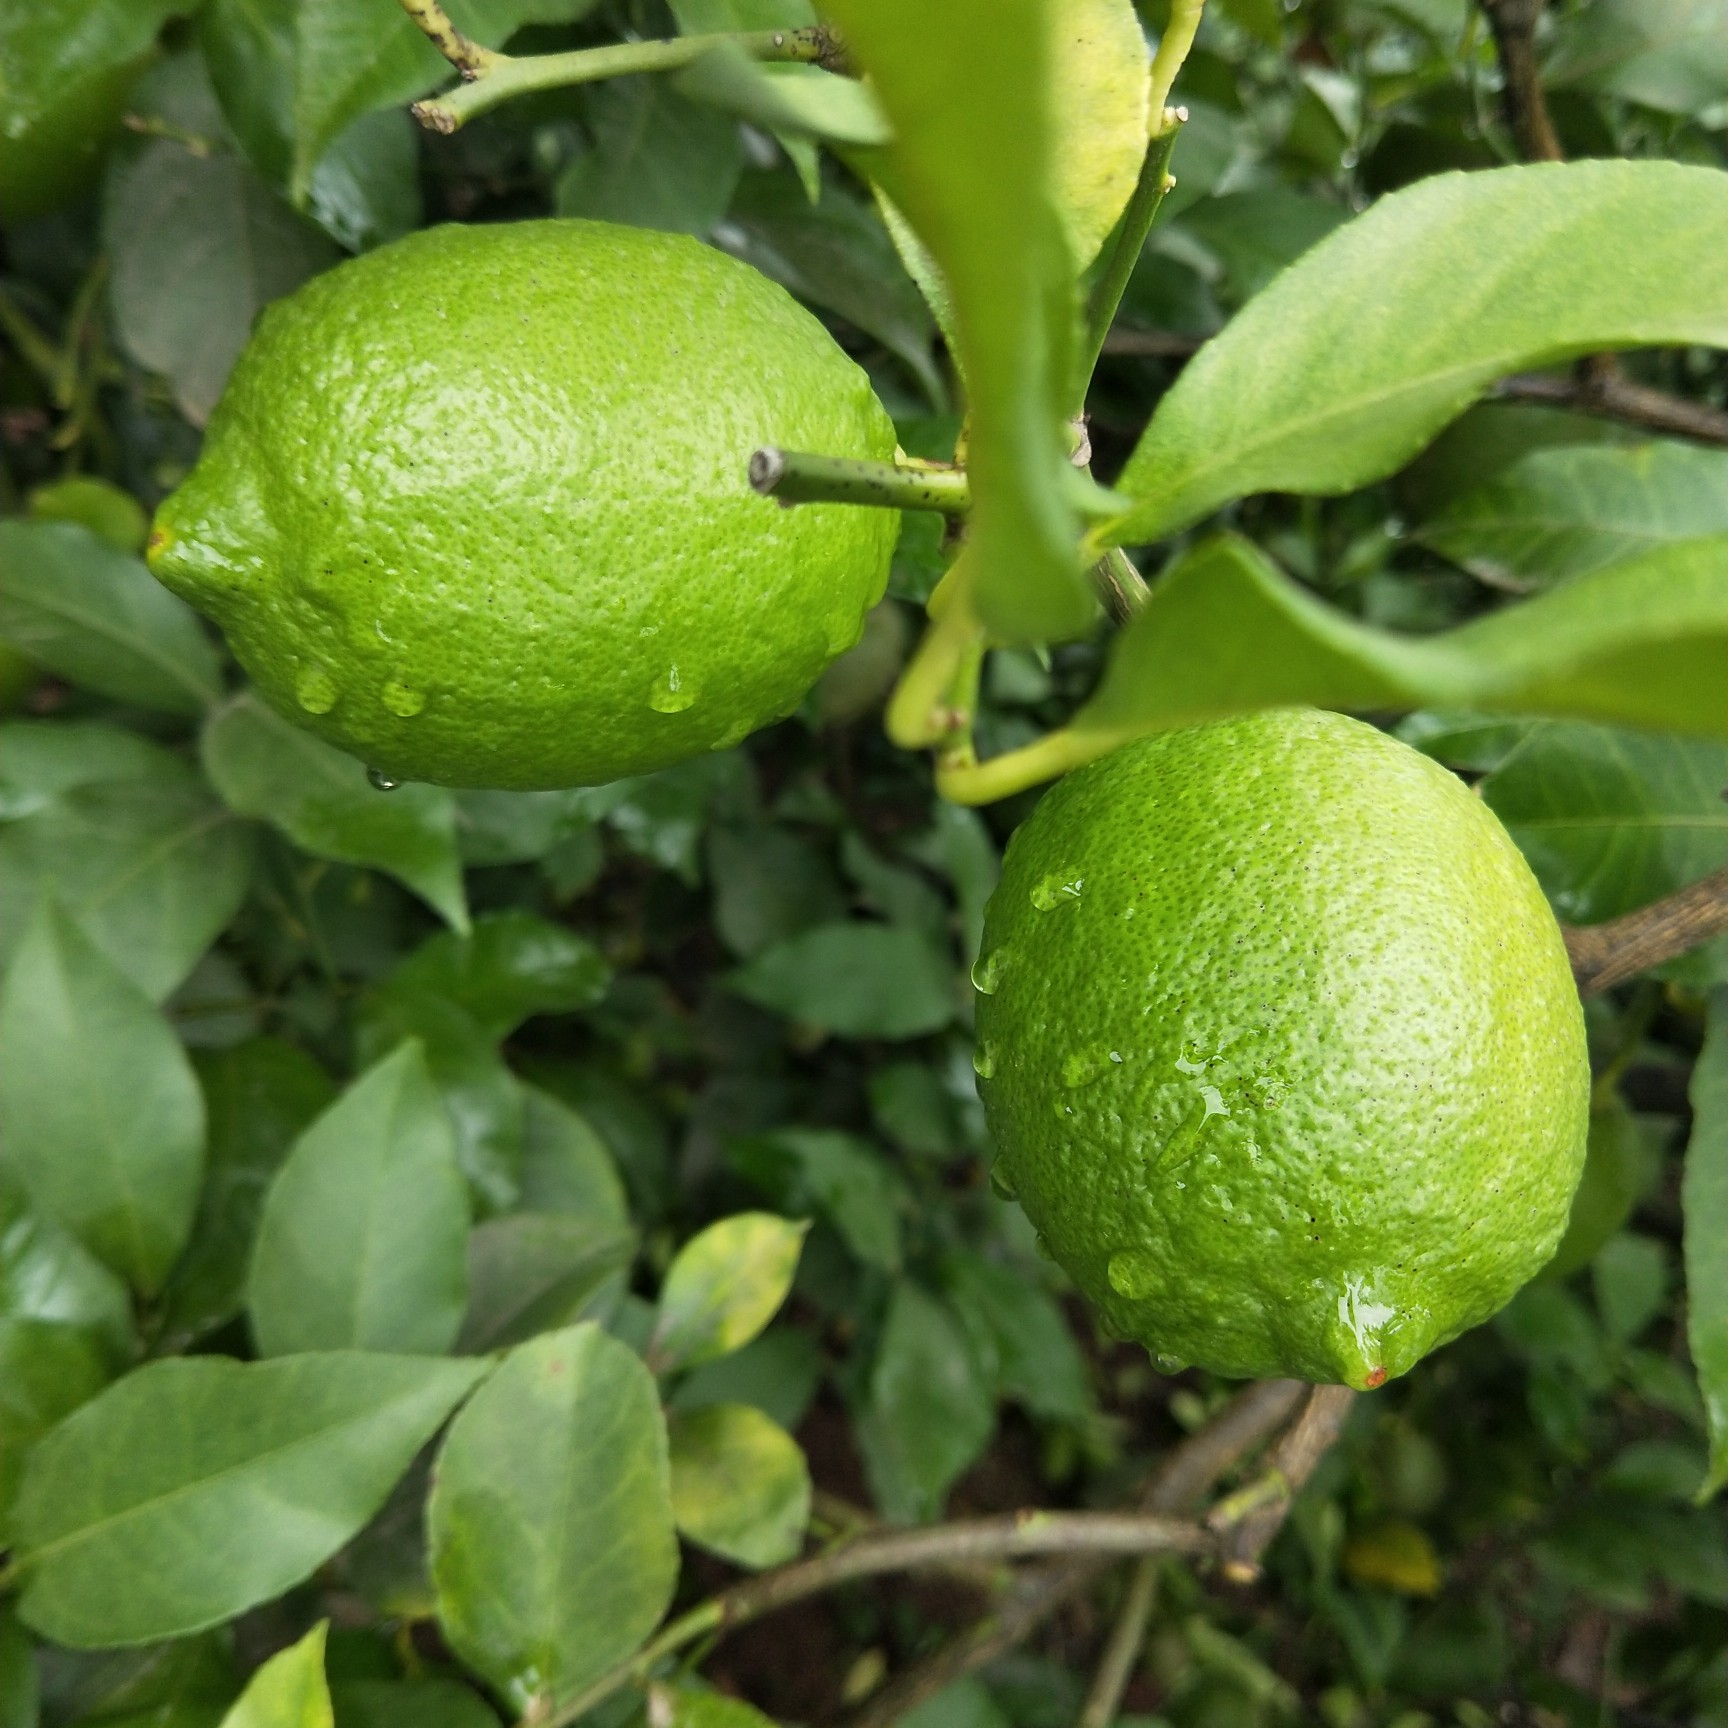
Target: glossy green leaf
x=724 y=1287
x=1704 y=1196
x=1640 y=643
x=740 y=1485
x=362 y=1243
x=510 y=966
x=104 y=1120
x=927 y=1411
x=199 y=1487
x=99 y=619
x=258 y=1097
x=1354 y=358
x=536 y=1271
x=46 y=1277
x=839 y=1175
x=860 y=980
x=289 y=1691
x=965 y=88
x=48 y=48
x=551 y=1516
x=149 y=862
x=322 y=800
x=1570 y=509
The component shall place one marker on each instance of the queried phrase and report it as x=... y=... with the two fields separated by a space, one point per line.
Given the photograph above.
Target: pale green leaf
x=565 y=1165
x=104 y=1120
x=965 y=87
x=322 y=800
x=1356 y=356
x=534 y=1271
x=198 y=1487
x=724 y=1287
x=363 y=1239
x=740 y=1485
x=551 y=1516
x=289 y=1691
x=1704 y=1196
x=1666 y=54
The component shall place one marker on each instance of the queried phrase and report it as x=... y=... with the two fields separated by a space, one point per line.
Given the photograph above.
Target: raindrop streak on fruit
x=1362 y=1112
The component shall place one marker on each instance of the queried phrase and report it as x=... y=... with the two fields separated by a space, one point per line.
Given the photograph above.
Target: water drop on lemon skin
x=1132 y=1275
x=988 y=969
x=315 y=690
x=1000 y=1185
x=402 y=700
x=671 y=693
x=1057 y=890
x=984 y=1060
x=380 y=781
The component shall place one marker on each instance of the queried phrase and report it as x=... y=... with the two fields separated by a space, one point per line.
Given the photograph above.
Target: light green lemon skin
x=1280 y=1049
x=475 y=508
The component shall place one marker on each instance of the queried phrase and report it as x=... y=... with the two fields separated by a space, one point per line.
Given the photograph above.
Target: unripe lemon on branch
x=475 y=506
x=1280 y=1049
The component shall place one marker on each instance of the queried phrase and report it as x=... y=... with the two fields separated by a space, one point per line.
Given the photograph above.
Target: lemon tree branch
x=499 y=77
x=795 y=477
x=1604 y=955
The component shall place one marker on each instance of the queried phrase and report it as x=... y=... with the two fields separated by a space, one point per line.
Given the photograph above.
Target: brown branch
x=1604 y=955
x=1247 y=1521
x=463 y=52
x=1610 y=396
x=1514 y=25
x=1152 y=344
x=1181 y=1480
x=1127 y=1636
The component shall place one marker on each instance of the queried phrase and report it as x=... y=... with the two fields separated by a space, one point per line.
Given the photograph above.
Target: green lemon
x=1280 y=1049
x=475 y=507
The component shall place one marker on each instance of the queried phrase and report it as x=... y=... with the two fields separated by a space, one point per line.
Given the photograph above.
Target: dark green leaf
x=1618 y=1165
x=366 y=188
x=194 y=1489
x=1705 y=1198
x=540 y=1601
x=99 y=619
x=45 y=1276
x=104 y=1121
x=740 y=1485
x=510 y=966
x=289 y=1691
x=1019 y=1337
x=49 y=48
x=363 y=1237
x=777 y=1372
x=860 y=980
x=768 y=884
x=534 y=1271
x=724 y=1287
x=1355 y=357
x=18 y=1687
x=837 y=1174
x=1630 y=1278
x=717 y=17
x=409 y=1704
x=46 y=1371
x=927 y=1413
x=322 y=800
x=517 y=827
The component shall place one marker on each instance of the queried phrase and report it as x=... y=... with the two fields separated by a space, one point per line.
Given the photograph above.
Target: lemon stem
x=1054 y=754
x=797 y=478
x=933 y=702
x=1173 y=47
x=1120 y=586
x=495 y=78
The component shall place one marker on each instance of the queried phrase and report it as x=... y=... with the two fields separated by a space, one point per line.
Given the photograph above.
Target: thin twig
x=1173 y=47
x=463 y=52
x=1613 y=397
x=1182 y=1480
x=795 y=477
x=1604 y=955
x=1152 y=344
x=1127 y=1636
x=1247 y=1521
x=1120 y=586
x=1514 y=25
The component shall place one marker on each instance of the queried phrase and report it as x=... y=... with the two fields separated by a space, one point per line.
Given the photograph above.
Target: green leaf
x=45 y=1276
x=258 y=1097
x=1630 y=1278
x=200 y=245
x=1704 y=1197
x=19 y=1701
x=99 y=505
x=199 y=1487
x=768 y=884
x=365 y=189
x=740 y=1485
x=720 y=17
x=1666 y=54
x=1611 y=820
x=966 y=89
x=1356 y=356
x=46 y=1371
x=362 y=1244
x=1619 y=1162
x=804 y=101
x=104 y=1121
x=565 y=1164
x=535 y=1271
x=322 y=800
x=658 y=161
x=724 y=1287
x=1256 y=234
x=1019 y=1337
x=1570 y=509
x=859 y=980
x=510 y=966
x=778 y=1373
x=538 y=1600
x=289 y=1691
x=150 y=864
x=99 y=619
x=50 y=47
x=927 y=1412
x=1640 y=643
x=39 y=759
x=409 y=1704
x=839 y=1175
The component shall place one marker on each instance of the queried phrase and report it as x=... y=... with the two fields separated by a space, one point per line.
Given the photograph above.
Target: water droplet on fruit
x=1000 y=1186
x=1057 y=889
x=1193 y=1059
x=984 y=1059
x=402 y=701
x=1165 y=1363
x=1082 y=1067
x=380 y=781
x=671 y=693
x=315 y=690
x=1132 y=1275
x=1045 y=1251
x=988 y=969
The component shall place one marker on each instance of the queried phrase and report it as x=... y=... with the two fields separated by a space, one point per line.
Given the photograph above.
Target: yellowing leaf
x=1102 y=114
x=1394 y=1555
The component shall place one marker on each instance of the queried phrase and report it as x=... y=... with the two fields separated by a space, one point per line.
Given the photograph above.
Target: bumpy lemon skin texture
x=475 y=507
x=1279 y=1048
